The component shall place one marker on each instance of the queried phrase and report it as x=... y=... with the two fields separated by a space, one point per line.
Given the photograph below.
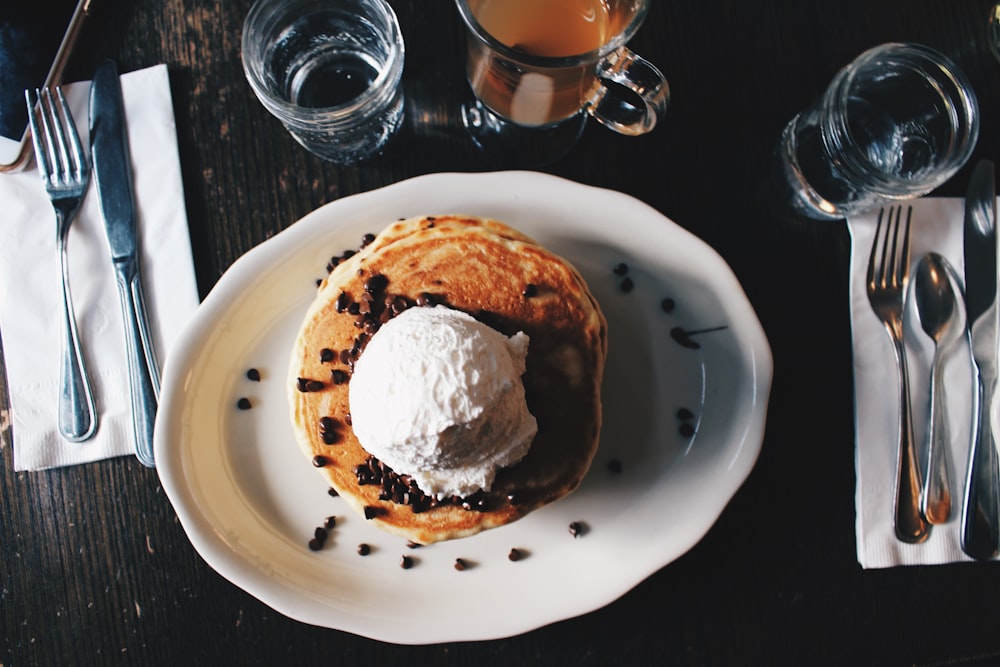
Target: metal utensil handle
x=77 y=417
x=935 y=501
x=144 y=376
x=981 y=509
x=909 y=523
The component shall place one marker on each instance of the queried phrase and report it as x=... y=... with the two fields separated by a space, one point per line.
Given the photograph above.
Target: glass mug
x=539 y=68
x=895 y=123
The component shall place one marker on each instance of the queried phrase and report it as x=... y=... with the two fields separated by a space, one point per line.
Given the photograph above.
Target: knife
x=981 y=506
x=113 y=173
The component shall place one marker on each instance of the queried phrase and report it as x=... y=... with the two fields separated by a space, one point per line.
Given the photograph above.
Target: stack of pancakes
x=504 y=279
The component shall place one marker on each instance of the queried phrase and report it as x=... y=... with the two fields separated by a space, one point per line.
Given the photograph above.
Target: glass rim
x=965 y=102
x=382 y=90
x=553 y=62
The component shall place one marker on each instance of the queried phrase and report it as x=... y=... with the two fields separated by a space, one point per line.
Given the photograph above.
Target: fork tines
x=892 y=271
x=50 y=117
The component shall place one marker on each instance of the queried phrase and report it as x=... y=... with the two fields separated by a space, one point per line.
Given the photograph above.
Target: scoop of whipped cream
x=438 y=395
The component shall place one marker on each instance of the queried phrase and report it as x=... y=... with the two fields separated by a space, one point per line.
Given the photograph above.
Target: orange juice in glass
x=546 y=65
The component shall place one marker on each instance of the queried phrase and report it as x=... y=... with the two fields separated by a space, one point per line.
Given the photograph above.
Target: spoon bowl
x=938 y=296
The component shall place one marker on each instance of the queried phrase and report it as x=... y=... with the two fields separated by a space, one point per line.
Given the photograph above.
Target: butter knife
x=981 y=506
x=113 y=174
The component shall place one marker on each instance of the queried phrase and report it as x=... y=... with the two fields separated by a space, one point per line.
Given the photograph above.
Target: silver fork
x=888 y=273
x=65 y=169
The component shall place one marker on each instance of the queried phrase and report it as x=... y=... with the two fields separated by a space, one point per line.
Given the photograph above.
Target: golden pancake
x=502 y=278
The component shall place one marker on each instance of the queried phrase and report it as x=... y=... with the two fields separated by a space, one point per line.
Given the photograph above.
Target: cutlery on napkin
x=28 y=294
x=937 y=227
x=113 y=176
x=981 y=504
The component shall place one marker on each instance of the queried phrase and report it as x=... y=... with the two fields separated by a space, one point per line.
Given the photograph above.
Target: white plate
x=249 y=501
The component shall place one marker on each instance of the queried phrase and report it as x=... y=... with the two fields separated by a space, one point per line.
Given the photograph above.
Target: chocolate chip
x=253 y=375
x=576 y=529
x=684 y=414
x=320 y=535
x=364 y=549
x=621 y=269
x=514 y=555
x=332 y=492
x=668 y=305
x=365 y=477
x=343 y=301
x=319 y=461
x=330 y=522
x=399 y=304
x=529 y=291
x=326 y=355
x=305 y=385
x=410 y=544
x=367 y=239
x=372 y=512
x=406 y=562
x=338 y=376
x=626 y=285
x=376 y=283
x=244 y=404
x=460 y=564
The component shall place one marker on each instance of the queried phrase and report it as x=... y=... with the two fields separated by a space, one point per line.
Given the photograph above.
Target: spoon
x=942 y=316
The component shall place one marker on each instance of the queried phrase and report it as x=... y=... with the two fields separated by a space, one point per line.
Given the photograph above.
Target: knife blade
x=113 y=175
x=981 y=504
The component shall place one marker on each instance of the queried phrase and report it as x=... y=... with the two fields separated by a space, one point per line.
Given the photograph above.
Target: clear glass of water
x=329 y=70
x=894 y=124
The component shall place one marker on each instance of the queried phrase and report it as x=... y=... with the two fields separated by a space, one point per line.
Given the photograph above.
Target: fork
x=888 y=273
x=65 y=170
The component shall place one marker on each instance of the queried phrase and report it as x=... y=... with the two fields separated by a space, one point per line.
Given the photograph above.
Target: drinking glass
x=329 y=70
x=894 y=124
x=538 y=69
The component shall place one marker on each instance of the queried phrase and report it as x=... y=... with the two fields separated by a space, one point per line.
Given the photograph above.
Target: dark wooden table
x=95 y=568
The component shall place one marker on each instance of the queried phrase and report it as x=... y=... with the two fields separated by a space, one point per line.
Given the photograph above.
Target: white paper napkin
x=30 y=292
x=937 y=226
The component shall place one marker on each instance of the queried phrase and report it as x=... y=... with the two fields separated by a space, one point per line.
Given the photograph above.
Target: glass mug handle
x=632 y=95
